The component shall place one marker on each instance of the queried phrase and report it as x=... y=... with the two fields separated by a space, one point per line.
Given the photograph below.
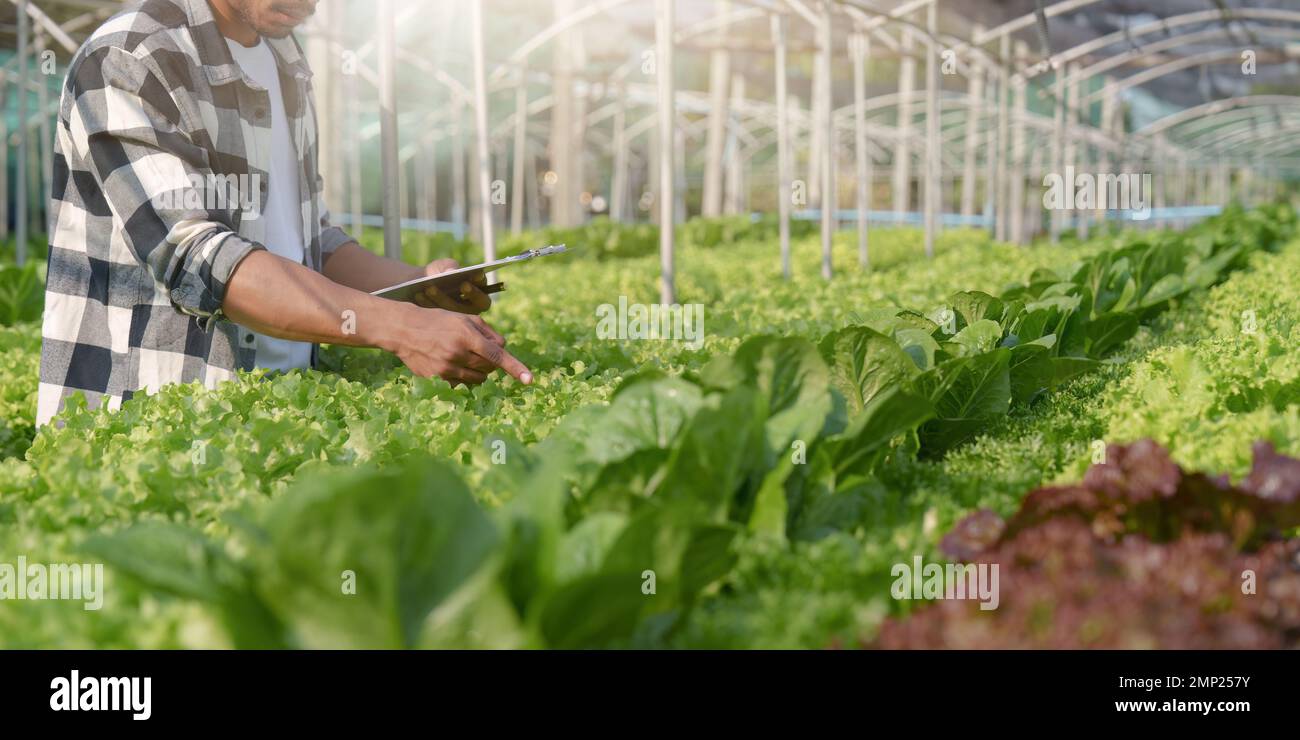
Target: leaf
x=1112 y=282
x=1061 y=303
x=583 y=548
x=1031 y=372
x=906 y=320
x=973 y=535
x=1167 y=287
x=980 y=336
x=973 y=387
x=409 y=535
x=1011 y=315
x=171 y=558
x=593 y=610
x=685 y=553
x=966 y=393
x=719 y=450
x=1065 y=368
x=174 y=559
x=532 y=522
x=792 y=378
x=1044 y=275
x=1036 y=323
x=22 y=294
x=771 y=508
x=974 y=306
x=1108 y=331
x=891 y=413
x=863 y=362
x=646 y=415
x=918 y=345
x=1210 y=271
x=708 y=557
x=1071 y=330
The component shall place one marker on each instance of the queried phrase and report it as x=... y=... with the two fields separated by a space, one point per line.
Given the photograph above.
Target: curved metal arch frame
x=871 y=20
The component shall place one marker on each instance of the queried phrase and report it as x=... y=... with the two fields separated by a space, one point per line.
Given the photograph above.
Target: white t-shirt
x=282 y=215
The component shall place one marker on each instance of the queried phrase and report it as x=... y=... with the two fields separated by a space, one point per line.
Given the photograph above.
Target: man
x=159 y=273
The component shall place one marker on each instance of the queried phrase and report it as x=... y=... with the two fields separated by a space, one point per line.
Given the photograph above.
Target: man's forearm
x=274 y=296
x=356 y=267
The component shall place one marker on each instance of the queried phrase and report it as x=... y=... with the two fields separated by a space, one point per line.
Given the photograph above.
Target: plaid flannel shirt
x=154 y=109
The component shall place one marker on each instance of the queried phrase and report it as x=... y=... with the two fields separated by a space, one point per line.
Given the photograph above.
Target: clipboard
x=450 y=281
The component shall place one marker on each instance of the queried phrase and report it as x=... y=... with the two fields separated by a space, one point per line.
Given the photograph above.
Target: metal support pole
x=1002 y=184
x=861 y=51
x=423 y=163
x=1016 y=173
x=813 y=191
x=47 y=137
x=1037 y=163
x=404 y=165
x=1108 y=111
x=520 y=147
x=974 y=106
x=20 y=181
x=532 y=200
x=578 y=145
x=652 y=164
x=903 y=150
x=323 y=61
x=563 y=192
x=679 y=176
x=664 y=29
x=386 y=48
x=1158 y=179
x=458 y=178
x=432 y=176
x=618 y=181
x=481 y=123
x=933 y=155
x=733 y=185
x=4 y=168
x=1070 y=152
x=354 y=159
x=828 y=140
x=782 y=144
x=33 y=179
x=719 y=79
x=333 y=158
x=1057 y=215
x=500 y=159
x=1088 y=159
x=992 y=150
x=1184 y=183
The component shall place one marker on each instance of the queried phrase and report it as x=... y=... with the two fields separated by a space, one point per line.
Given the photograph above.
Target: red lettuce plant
x=1140 y=554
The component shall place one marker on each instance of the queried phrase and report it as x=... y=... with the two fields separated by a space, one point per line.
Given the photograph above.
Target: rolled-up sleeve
x=157 y=182
x=331 y=237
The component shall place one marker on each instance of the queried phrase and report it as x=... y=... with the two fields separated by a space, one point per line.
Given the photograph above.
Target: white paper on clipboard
x=452 y=279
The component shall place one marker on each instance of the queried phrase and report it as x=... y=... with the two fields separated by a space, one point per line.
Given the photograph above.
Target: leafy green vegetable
x=752 y=491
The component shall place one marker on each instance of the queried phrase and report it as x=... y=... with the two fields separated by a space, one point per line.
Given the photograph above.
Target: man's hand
x=285 y=299
x=468 y=297
x=456 y=347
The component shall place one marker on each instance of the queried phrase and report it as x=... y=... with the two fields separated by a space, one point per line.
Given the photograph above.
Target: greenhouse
x=649 y=324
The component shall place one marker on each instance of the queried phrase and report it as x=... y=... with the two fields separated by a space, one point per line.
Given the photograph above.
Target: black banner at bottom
x=209 y=690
